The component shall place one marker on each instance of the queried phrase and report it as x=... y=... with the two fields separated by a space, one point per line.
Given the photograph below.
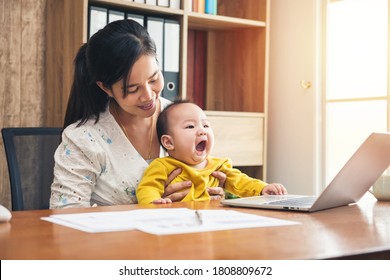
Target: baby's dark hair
x=162 y=120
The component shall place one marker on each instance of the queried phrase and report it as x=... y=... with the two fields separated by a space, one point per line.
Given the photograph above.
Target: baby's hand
x=162 y=201
x=274 y=189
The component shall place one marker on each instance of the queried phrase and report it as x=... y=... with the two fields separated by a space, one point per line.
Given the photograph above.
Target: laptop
x=348 y=186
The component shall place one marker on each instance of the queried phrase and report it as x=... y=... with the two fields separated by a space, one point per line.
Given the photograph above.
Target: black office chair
x=30 y=158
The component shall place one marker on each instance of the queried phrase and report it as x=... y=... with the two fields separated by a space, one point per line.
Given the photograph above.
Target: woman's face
x=144 y=85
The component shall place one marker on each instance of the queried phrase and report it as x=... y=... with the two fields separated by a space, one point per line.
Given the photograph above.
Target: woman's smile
x=149 y=106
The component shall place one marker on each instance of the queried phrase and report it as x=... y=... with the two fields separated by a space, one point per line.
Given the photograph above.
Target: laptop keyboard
x=299 y=201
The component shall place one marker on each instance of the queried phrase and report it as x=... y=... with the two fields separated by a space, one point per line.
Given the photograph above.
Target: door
x=294 y=97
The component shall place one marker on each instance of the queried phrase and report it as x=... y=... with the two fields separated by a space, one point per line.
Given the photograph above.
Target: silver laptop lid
x=369 y=162
x=361 y=171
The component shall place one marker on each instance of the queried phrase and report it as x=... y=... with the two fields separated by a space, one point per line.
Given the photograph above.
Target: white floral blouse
x=95 y=164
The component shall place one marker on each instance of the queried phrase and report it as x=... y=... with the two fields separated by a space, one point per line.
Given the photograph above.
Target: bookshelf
x=235 y=67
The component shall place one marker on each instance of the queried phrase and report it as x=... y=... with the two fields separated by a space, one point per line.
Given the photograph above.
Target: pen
x=199 y=217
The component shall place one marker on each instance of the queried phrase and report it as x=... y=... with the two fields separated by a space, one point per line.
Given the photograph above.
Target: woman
x=109 y=133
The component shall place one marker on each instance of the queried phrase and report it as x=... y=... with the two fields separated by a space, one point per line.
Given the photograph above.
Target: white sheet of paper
x=164 y=221
x=212 y=220
x=95 y=221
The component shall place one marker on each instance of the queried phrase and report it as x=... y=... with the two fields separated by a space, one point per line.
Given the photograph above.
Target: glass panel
x=357 y=34
x=348 y=125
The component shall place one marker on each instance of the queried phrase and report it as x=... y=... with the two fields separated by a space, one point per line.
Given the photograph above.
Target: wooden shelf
x=138 y=7
x=235 y=67
x=217 y=22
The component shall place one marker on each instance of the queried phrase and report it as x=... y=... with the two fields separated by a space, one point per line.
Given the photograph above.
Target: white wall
x=294 y=112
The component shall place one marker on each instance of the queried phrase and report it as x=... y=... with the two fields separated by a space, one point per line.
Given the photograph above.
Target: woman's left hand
x=217 y=193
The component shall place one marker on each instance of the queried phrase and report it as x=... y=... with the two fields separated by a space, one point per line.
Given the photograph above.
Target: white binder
x=115 y=15
x=174 y=4
x=163 y=3
x=171 y=58
x=151 y=2
x=155 y=27
x=97 y=19
x=137 y=18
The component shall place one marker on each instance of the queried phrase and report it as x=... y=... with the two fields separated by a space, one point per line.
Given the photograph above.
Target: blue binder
x=211 y=7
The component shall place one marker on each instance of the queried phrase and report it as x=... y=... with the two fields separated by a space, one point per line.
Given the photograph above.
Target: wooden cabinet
x=235 y=69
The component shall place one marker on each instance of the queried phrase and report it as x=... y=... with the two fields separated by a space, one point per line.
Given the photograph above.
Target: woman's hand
x=217 y=193
x=176 y=191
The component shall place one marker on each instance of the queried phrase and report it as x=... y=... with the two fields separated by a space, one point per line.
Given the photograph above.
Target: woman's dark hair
x=108 y=57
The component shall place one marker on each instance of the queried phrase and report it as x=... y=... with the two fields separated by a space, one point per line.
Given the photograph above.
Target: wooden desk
x=360 y=231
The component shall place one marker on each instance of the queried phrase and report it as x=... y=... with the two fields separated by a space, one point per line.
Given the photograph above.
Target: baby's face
x=191 y=134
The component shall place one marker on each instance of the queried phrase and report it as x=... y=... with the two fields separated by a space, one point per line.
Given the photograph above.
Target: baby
x=185 y=133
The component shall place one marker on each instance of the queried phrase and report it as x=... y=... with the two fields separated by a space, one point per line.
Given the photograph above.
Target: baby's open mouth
x=201 y=146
